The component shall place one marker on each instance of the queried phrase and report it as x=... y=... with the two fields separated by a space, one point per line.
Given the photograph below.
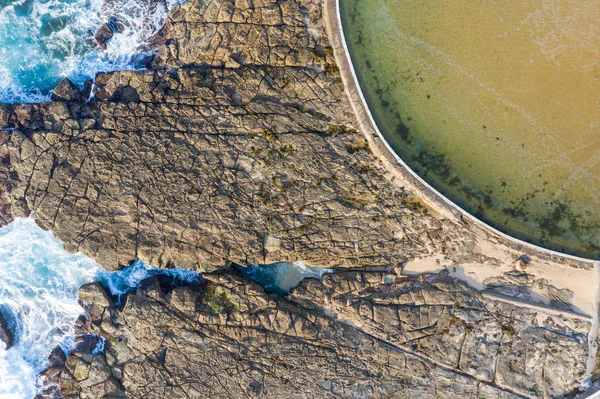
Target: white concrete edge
x=594 y=396
x=423 y=182
x=593 y=341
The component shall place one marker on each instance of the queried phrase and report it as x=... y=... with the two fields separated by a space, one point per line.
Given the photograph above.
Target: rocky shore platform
x=245 y=142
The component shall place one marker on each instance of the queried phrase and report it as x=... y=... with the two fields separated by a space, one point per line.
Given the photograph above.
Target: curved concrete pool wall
x=401 y=174
x=398 y=169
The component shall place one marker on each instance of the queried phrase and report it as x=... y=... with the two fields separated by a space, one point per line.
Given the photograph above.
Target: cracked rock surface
x=198 y=161
x=355 y=335
x=240 y=144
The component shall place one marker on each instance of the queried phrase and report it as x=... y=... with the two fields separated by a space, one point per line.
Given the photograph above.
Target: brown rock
x=103 y=35
x=237 y=148
x=401 y=339
x=65 y=90
x=94 y=293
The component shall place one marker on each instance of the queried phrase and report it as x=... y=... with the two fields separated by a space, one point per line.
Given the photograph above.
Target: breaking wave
x=39 y=281
x=38 y=286
x=43 y=41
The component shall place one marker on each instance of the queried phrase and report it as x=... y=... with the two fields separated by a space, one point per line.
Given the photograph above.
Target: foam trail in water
x=38 y=282
x=281 y=277
x=129 y=279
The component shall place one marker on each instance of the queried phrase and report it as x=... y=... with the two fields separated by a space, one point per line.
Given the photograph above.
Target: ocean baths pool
x=496 y=105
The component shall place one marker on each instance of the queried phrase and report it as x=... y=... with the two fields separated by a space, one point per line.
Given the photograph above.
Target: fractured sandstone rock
x=352 y=335
x=241 y=145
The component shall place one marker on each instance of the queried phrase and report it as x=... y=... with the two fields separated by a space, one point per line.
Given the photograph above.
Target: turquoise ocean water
x=38 y=292
x=42 y=41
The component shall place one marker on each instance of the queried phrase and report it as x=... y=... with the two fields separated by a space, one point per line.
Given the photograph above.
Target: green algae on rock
x=494 y=106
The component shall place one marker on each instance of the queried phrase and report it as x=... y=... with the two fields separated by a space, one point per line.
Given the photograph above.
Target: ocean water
x=122 y=282
x=42 y=41
x=38 y=295
x=38 y=291
x=38 y=283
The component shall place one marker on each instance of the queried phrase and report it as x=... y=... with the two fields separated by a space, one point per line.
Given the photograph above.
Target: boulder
x=103 y=35
x=107 y=31
x=65 y=90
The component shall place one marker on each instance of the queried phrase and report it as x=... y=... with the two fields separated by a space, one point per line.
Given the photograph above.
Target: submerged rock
x=6 y=334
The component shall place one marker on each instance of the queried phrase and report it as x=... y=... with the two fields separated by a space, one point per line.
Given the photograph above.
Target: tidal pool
x=495 y=103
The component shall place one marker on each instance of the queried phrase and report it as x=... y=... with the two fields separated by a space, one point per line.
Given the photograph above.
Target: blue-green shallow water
x=281 y=277
x=43 y=41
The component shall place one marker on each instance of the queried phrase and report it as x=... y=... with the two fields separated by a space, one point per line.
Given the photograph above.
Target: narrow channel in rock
x=43 y=288
x=281 y=277
x=39 y=302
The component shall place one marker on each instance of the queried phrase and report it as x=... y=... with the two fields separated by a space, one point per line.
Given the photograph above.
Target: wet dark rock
x=87 y=89
x=86 y=343
x=126 y=94
x=107 y=31
x=57 y=357
x=7 y=334
x=65 y=90
x=5 y=116
x=103 y=35
x=50 y=393
x=115 y=25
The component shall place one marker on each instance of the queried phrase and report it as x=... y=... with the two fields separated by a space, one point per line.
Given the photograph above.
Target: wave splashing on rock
x=127 y=280
x=38 y=283
x=43 y=41
x=281 y=277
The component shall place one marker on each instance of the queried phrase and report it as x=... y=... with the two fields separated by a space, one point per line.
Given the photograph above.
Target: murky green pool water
x=494 y=103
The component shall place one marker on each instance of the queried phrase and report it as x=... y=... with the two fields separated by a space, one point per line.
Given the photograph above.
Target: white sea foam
x=38 y=282
x=127 y=280
x=38 y=294
x=42 y=41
